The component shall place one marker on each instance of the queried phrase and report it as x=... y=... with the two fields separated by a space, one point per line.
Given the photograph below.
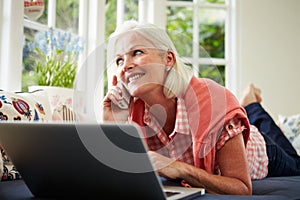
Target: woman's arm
x=235 y=178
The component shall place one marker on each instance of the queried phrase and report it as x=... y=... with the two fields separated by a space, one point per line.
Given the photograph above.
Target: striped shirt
x=180 y=147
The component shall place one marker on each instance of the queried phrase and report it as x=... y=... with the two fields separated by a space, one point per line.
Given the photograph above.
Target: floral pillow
x=291 y=127
x=23 y=106
x=8 y=170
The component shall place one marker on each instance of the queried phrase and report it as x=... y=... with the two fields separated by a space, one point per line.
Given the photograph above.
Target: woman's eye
x=119 y=61
x=137 y=52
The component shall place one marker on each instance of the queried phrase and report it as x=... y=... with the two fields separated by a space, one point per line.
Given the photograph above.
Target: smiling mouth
x=135 y=77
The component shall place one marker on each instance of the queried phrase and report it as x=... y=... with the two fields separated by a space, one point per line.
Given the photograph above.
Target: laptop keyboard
x=169 y=193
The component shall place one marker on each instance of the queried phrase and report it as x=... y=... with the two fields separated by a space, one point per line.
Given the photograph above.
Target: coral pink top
x=210 y=108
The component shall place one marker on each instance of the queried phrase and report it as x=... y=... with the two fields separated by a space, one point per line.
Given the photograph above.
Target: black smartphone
x=124 y=102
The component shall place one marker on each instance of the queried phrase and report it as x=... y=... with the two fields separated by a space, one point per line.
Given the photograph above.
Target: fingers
x=159 y=161
x=114 y=80
x=115 y=94
x=112 y=111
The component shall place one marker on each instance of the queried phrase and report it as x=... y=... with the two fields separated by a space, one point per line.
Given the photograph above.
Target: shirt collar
x=181 y=121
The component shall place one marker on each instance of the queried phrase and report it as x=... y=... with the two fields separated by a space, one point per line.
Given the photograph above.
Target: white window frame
x=155 y=12
x=92 y=26
x=11 y=44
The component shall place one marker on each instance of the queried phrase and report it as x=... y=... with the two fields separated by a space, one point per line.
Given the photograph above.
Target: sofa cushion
x=24 y=106
x=290 y=125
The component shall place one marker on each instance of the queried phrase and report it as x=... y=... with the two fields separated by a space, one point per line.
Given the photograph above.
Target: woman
x=183 y=117
x=195 y=129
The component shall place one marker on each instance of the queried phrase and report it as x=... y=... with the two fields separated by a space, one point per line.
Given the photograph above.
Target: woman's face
x=140 y=66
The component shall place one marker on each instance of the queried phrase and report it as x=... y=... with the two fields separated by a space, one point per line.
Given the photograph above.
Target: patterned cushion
x=290 y=125
x=33 y=106
x=24 y=107
x=9 y=170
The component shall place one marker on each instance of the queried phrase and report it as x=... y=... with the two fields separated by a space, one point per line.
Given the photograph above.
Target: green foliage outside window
x=179 y=27
x=211 y=38
x=67 y=16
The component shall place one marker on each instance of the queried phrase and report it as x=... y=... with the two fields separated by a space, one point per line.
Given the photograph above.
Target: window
x=59 y=15
x=203 y=21
x=198 y=31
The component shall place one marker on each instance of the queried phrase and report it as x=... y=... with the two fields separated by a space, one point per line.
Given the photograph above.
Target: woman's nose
x=128 y=63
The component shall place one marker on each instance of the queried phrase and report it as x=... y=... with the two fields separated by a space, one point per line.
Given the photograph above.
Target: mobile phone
x=124 y=102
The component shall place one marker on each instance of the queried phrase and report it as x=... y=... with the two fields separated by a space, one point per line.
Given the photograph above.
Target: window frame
x=195 y=60
x=154 y=12
x=11 y=44
x=92 y=26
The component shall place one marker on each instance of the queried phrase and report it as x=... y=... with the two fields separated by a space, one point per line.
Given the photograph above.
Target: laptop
x=85 y=159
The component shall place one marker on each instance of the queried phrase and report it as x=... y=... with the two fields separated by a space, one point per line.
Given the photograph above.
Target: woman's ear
x=171 y=58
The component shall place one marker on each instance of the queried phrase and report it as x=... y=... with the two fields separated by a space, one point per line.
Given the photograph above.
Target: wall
x=268 y=42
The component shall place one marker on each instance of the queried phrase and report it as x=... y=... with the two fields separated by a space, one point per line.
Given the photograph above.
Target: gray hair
x=180 y=74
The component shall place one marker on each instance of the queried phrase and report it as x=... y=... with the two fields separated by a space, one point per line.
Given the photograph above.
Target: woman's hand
x=111 y=110
x=165 y=166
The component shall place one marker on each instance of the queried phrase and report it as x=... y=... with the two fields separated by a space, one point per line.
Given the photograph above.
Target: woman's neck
x=164 y=110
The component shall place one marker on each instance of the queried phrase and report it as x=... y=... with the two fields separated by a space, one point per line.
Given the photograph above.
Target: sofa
x=39 y=106
x=273 y=188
